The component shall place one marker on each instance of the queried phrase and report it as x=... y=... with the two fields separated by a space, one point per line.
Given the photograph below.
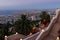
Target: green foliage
x=45 y=17
x=4 y=30
x=23 y=25
x=35 y=22
x=1 y=32
x=1 y=36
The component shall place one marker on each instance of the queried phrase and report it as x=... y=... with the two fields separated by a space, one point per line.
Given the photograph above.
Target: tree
x=45 y=17
x=23 y=25
x=1 y=32
x=5 y=28
x=35 y=23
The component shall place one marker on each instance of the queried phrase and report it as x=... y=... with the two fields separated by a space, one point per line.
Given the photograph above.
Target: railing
x=46 y=31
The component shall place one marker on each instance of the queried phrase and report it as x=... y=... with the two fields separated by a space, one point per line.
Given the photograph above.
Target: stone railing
x=47 y=30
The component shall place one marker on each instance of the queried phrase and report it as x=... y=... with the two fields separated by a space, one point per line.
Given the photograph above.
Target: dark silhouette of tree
x=6 y=28
x=45 y=17
x=23 y=25
x=1 y=32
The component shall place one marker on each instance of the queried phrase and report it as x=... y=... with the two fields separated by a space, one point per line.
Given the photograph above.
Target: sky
x=28 y=4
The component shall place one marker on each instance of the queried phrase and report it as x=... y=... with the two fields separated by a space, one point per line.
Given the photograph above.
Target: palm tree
x=23 y=25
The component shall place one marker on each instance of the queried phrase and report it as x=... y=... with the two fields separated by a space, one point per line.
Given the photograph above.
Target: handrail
x=39 y=36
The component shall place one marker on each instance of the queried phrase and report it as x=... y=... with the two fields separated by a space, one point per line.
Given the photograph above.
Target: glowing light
x=5 y=36
x=57 y=38
x=20 y=38
x=42 y=30
x=16 y=33
x=30 y=33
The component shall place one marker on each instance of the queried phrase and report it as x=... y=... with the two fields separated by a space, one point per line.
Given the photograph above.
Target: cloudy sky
x=29 y=4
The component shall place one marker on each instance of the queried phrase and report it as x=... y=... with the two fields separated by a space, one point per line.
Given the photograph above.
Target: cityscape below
x=13 y=15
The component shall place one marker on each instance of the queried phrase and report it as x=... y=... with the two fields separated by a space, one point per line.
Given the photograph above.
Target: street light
x=30 y=33
x=6 y=37
x=16 y=32
x=57 y=38
x=43 y=30
x=20 y=38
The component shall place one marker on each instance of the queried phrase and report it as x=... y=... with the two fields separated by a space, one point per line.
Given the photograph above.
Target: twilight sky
x=29 y=4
